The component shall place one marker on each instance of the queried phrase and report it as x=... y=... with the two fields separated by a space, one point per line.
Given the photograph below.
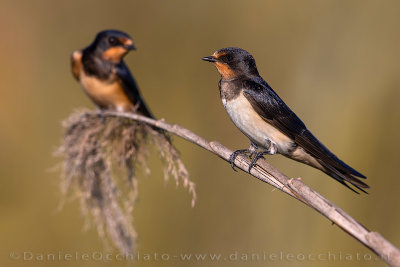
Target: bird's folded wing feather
x=131 y=89
x=274 y=111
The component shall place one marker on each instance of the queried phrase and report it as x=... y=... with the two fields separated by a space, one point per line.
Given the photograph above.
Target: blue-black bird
x=104 y=76
x=268 y=122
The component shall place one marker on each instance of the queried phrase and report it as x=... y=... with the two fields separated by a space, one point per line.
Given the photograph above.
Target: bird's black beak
x=210 y=59
x=130 y=47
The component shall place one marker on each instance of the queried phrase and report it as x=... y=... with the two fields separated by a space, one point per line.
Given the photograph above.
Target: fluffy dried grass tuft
x=101 y=158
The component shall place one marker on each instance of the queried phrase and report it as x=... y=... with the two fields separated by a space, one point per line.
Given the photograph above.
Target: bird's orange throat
x=114 y=54
x=226 y=72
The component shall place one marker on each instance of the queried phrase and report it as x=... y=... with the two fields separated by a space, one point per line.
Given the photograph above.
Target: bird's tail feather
x=344 y=177
x=313 y=146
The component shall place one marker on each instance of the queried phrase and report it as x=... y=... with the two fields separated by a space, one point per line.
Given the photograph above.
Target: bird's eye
x=229 y=57
x=112 y=40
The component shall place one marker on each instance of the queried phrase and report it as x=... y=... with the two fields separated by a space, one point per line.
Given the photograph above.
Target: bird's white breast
x=253 y=126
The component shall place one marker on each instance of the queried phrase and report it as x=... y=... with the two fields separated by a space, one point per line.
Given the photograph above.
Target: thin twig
x=293 y=187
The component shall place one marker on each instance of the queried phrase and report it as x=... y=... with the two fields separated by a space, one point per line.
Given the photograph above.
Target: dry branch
x=293 y=187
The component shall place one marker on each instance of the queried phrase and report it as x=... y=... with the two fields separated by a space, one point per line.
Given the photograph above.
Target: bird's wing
x=131 y=89
x=274 y=111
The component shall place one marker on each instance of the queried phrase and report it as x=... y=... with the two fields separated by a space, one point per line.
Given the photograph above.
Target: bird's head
x=233 y=62
x=113 y=45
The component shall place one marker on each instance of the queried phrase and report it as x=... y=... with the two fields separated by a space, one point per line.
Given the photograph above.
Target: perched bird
x=268 y=122
x=104 y=75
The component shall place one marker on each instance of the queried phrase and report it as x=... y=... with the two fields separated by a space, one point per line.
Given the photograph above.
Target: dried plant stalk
x=101 y=158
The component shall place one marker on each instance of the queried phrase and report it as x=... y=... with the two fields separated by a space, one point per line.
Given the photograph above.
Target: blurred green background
x=336 y=63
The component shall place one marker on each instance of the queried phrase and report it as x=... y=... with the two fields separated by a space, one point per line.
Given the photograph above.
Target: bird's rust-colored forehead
x=218 y=54
x=125 y=41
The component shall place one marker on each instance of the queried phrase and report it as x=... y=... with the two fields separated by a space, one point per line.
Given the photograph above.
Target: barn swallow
x=104 y=76
x=268 y=122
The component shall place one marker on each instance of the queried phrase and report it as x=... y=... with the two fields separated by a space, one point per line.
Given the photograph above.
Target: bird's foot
x=272 y=149
x=252 y=150
x=257 y=156
x=235 y=154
